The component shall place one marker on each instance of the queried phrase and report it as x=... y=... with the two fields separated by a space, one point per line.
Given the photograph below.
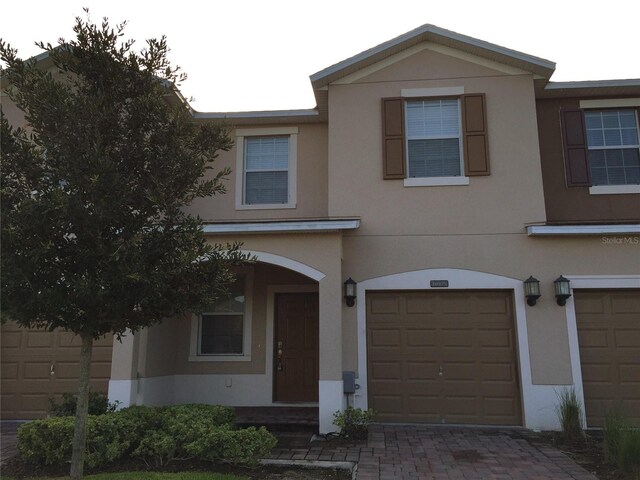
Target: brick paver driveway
x=427 y=452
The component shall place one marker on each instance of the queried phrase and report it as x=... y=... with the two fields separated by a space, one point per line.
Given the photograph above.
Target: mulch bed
x=587 y=452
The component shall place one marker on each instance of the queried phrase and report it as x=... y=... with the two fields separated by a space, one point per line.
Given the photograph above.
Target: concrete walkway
x=426 y=452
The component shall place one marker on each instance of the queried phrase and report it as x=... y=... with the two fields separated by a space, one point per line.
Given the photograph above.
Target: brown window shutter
x=475 y=137
x=574 y=140
x=393 y=139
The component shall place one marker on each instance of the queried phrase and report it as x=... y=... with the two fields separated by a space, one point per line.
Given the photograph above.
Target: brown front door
x=296 y=347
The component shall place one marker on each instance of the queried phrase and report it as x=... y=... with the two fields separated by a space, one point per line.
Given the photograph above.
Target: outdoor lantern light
x=350 y=292
x=532 y=290
x=563 y=291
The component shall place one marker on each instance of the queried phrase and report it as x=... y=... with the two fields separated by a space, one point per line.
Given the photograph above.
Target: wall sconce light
x=350 y=292
x=532 y=290
x=563 y=290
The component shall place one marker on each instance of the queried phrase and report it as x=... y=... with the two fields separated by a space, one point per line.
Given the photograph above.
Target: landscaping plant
x=99 y=404
x=354 y=422
x=622 y=442
x=95 y=235
x=569 y=411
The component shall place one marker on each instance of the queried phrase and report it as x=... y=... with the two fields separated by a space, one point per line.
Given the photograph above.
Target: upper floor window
x=433 y=138
x=613 y=146
x=266 y=168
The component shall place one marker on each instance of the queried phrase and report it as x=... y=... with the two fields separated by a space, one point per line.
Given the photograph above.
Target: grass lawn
x=152 y=476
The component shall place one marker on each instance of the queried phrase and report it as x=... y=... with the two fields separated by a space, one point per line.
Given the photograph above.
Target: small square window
x=266 y=165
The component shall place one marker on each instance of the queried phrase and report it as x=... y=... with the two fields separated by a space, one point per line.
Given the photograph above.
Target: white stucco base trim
x=537 y=400
x=331 y=395
x=589 y=282
x=123 y=391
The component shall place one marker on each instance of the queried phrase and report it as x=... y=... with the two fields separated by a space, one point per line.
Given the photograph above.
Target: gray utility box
x=349 y=382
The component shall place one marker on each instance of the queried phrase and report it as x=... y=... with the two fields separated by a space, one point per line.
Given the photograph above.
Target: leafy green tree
x=95 y=238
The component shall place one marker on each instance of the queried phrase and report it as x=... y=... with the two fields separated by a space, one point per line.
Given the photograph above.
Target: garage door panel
x=424 y=337
x=417 y=304
x=627 y=338
x=385 y=338
x=467 y=337
x=386 y=371
x=608 y=323
x=422 y=370
x=10 y=340
x=422 y=404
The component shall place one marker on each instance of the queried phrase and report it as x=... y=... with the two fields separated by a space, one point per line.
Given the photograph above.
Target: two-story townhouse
x=394 y=226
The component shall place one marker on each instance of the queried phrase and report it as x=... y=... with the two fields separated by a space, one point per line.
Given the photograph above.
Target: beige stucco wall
x=480 y=226
x=514 y=256
x=14 y=115
x=167 y=348
x=311 y=182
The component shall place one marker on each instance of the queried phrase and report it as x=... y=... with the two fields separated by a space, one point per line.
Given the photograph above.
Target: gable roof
x=432 y=33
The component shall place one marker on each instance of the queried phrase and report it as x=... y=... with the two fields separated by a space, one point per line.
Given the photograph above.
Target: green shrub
x=353 y=422
x=98 y=405
x=621 y=442
x=157 y=435
x=614 y=426
x=629 y=453
x=48 y=442
x=242 y=446
x=569 y=411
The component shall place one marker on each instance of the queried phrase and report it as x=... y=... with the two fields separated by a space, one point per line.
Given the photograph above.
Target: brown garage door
x=37 y=364
x=609 y=338
x=443 y=357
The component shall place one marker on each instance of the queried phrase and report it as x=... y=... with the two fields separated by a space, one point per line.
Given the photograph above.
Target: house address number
x=439 y=283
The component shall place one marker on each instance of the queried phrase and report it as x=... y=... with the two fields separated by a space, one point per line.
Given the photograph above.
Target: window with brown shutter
x=574 y=140
x=393 y=138
x=436 y=148
x=476 y=143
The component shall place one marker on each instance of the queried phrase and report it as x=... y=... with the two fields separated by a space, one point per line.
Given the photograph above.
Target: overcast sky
x=258 y=54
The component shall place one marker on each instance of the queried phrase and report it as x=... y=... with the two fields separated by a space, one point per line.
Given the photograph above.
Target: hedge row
x=157 y=435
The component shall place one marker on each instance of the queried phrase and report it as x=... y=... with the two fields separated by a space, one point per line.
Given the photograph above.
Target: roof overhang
x=582 y=230
x=589 y=88
x=287 y=226
x=262 y=117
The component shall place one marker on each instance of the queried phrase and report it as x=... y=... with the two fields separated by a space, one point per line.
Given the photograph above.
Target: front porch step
x=279 y=419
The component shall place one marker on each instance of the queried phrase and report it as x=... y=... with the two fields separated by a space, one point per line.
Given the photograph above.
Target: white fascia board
x=558 y=230
x=275 y=227
x=629 y=82
x=262 y=114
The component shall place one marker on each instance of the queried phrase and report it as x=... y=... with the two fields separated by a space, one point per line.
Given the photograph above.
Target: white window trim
x=435 y=181
x=292 y=133
x=620 y=104
x=613 y=189
x=194 y=356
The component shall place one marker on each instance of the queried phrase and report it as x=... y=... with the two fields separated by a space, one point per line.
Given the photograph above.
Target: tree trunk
x=82 y=409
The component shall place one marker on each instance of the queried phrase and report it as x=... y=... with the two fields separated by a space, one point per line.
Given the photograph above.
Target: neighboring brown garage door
x=37 y=364
x=443 y=357
x=609 y=337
